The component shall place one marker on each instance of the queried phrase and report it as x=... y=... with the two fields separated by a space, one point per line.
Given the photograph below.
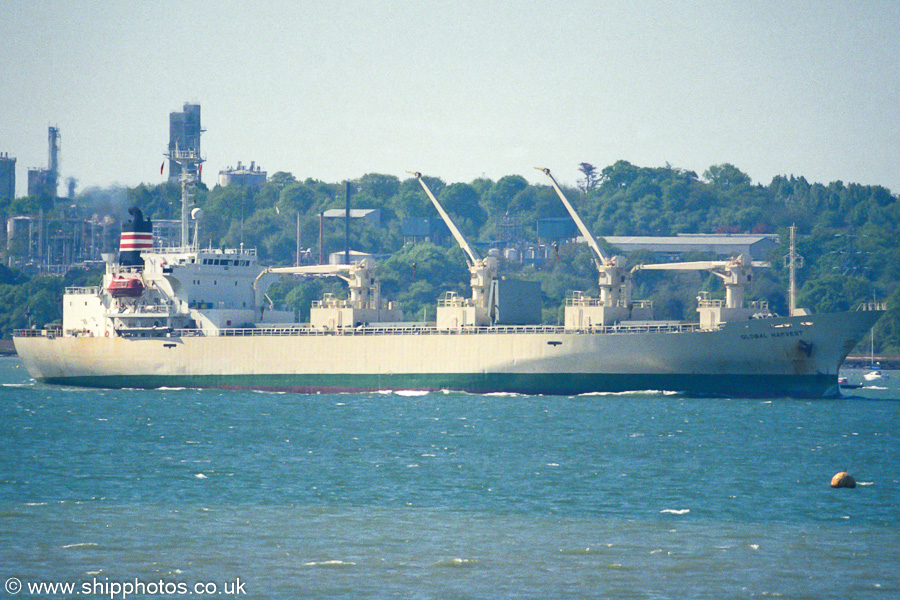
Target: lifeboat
x=125 y=287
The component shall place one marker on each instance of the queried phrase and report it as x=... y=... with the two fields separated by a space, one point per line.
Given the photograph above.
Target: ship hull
x=796 y=356
x=558 y=384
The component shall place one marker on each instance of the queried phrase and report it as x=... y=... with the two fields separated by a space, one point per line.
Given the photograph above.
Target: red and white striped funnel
x=136 y=241
x=137 y=237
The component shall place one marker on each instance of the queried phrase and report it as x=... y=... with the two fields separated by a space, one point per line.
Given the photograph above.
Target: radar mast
x=191 y=164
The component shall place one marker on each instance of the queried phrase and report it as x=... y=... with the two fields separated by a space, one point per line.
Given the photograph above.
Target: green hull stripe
x=542 y=383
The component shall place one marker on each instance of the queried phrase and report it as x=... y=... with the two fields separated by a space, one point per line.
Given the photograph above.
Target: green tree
x=280 y=180
x=380 y=187
x=499 y=198
x=591 y=177
x=418 y=274
x=833 y=293
x=461 y=202
x=232 y=203
x=297 y=197
x=726 y=176
x=619 y=175
x=34 y=302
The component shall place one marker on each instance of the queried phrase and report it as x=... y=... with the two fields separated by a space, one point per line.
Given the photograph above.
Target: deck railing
x=288 y=331
x=91 y=290
x=469 y=330
x=865 y=306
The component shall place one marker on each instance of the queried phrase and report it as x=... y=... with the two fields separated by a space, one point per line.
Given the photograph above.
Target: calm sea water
x=391 y=495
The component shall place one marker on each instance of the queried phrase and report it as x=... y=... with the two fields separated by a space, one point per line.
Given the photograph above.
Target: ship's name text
x=776 y=334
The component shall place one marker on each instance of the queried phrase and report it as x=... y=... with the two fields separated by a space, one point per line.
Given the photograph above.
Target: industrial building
x=39 y=182
x=252 y=177
x=184 y=136
x=44 y=183
x=55 y=245
x=372 y=215
x=756 y=246
x=54 y=241
x=53 y=163
x=561 y=228
x=52 y=244
x=36 y=244
x=340 y=258
x=7 y=176
x=424 y=229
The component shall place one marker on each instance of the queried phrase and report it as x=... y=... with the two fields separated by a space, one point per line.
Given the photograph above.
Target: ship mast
x=190 y=163
x=793 y=261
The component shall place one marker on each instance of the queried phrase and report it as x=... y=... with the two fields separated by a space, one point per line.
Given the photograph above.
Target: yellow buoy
x=843 y=480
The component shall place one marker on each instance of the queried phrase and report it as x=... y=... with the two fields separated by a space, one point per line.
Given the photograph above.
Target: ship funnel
x=137 y=237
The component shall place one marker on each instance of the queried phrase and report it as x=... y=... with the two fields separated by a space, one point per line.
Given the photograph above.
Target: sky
x=456 y=89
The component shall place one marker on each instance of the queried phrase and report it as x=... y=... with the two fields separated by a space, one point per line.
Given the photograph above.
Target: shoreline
x=861 y=361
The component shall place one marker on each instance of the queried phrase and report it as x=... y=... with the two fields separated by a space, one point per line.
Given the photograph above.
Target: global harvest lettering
x=765 y=336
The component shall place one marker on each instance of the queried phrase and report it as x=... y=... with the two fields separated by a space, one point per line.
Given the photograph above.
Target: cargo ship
x=193 y=317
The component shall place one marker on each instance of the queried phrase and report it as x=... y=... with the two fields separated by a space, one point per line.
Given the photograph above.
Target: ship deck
x=372 y=330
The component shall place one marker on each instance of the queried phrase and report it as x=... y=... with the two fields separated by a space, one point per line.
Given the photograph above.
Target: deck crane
x=364 y=305
x=455 y=312
x=736 y=274
x=615 y=281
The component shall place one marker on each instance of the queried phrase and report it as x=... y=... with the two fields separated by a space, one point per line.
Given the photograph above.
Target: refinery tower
x=184 y=136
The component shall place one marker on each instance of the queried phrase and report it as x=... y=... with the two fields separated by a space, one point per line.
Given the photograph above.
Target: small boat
x=874 y=373
x=846 y=385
